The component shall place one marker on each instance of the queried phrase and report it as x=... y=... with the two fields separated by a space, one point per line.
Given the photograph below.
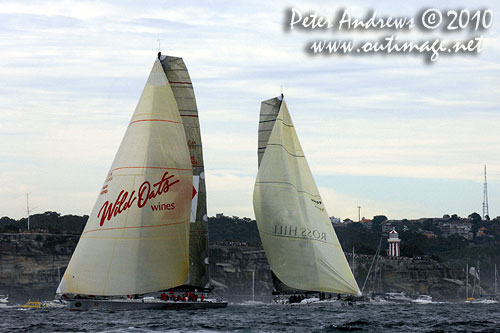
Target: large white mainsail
x=182 y=87
x=300 y=243
x=137 y=237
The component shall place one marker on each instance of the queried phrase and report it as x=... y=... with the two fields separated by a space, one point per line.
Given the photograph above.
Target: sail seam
x=278 y=144
x=135 y=227
x=146 y=167
x=168 y=121
x=173 y=82
x=300 y=191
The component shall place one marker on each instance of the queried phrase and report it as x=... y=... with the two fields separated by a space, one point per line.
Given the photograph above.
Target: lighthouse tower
x=394 y=243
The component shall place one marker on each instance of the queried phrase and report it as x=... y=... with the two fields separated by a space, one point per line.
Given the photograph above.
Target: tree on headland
x=475 y=217
x=377 y=222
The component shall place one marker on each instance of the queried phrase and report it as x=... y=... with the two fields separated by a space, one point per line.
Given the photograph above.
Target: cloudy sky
x=392 y=134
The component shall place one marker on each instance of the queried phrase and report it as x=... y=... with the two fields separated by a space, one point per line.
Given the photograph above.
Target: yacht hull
x=139 y=304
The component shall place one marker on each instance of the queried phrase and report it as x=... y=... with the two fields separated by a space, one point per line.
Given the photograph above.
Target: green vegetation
x=50 y=222
x=226 y=229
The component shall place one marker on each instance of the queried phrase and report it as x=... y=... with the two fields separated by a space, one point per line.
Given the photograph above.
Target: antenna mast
x=485 y=196
x=28 y=210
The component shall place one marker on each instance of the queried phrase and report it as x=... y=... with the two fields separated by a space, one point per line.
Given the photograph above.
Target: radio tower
x=485 y=197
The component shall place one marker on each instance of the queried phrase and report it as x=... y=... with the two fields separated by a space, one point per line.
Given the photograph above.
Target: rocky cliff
x=31 y=264
x=238 y=271
x=413 y=276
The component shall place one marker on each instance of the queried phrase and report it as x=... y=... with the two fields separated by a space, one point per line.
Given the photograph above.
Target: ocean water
x=264 y=318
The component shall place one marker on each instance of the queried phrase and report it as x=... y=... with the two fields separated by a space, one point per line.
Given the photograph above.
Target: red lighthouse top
x=393 y=235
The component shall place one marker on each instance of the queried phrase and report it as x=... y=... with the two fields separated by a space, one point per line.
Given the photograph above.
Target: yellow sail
x=298 y=238
x=137 y=237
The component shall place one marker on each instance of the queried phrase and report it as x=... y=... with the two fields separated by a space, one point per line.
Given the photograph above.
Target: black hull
x=139 y=304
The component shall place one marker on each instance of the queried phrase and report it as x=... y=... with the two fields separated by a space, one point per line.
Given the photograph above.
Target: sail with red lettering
x=299 y=240
x=136 y=239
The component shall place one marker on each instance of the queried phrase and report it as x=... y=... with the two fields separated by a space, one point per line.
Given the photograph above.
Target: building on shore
x=394 y=243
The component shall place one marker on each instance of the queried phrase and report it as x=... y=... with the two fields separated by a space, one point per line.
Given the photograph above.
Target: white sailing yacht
x=4 y=299
x=136 y=242
x=299 y=240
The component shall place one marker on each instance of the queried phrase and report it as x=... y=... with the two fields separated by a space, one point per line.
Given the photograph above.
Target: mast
x=495 y=279
x=253 y=285
x=476 y=271
x=371 y=266
x=478 y=274
x=28 y=210
x=466 y=281
x=352 y=268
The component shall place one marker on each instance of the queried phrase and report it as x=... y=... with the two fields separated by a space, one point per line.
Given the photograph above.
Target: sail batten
x=301 y=246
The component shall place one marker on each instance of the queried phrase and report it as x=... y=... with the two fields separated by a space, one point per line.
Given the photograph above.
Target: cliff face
x=31 y=264
x=413 y=276
x=231 y=268
x=236 y=270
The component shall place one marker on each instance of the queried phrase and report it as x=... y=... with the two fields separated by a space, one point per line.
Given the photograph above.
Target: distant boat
x=400 y=297
x=144 y=244
x=4 y=299
x=299 y=240
x=253 y=301
x=423 y=299
x=483 y=299
x=32 y=305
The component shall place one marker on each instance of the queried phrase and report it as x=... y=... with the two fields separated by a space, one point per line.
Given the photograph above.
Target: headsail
x=136 y=238
x=182 y=87
x=300 y=243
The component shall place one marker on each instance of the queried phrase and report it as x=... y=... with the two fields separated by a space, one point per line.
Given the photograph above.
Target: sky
x=393 y=134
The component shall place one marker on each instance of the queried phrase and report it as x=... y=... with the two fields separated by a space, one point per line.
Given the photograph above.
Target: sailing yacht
x=4 y=299
x=300 y=243
x=144 y=245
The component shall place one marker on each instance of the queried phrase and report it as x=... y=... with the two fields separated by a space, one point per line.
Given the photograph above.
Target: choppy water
x=264 y=318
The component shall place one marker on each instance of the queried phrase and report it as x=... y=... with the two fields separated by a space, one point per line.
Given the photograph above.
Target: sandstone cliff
x=31 y=264
x=413 y=276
